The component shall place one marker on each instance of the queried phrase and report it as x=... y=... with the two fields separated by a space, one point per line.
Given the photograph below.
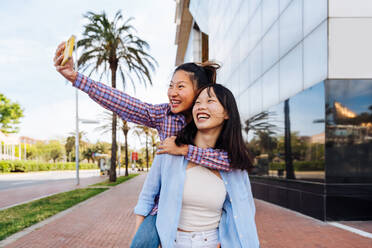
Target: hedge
x=300 y=166
x=26 y=166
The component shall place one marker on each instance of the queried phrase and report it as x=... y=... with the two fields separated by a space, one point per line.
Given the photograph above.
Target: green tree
x=140 y=130
x=154 y=141
x=55 y=150
x=123 y=126
x=10 y=113
x=89 y=151
x=70 y=146
x=52 y=150
x=113 y=44
x=266 y=142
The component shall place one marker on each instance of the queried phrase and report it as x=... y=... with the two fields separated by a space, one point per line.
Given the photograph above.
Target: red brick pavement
x=281 y=228
x=107 y=221
x=27 y=193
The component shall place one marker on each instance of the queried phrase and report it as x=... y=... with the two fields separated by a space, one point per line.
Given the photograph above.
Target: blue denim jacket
x=237 y=226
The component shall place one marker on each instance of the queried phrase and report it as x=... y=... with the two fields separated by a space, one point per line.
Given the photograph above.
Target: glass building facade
x=304 y=95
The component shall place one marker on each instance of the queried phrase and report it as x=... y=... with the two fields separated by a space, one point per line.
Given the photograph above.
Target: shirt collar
x=177 y=116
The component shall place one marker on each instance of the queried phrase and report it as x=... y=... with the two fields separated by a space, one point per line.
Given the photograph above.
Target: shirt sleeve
x=128 y=108
x=208 y=157
x=150 y=189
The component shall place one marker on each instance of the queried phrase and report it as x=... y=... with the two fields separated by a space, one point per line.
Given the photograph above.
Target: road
x=17 y=180
x=18 y=188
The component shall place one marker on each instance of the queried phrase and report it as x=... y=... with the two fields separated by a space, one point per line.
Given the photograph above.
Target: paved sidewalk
x=108 y=221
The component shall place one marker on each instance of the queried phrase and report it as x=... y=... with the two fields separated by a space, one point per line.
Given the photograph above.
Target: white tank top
x=203 y=196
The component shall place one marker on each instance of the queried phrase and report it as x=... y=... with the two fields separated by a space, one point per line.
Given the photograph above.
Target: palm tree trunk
x=113 y=134
x=147 y=154
x=287 y=142
x=126 y=154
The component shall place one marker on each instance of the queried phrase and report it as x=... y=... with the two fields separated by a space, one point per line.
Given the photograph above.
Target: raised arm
x=127 y=107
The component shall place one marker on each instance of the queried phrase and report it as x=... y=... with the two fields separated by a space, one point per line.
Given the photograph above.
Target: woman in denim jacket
x=199 y=207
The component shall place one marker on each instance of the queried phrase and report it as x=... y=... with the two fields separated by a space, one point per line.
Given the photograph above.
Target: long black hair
x=230 y=138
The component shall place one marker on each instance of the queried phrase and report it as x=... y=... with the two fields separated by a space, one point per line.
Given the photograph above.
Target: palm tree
x=112 y=44
x=144 y=130
x=287 y=142
x=123 y=126
x=154 y=141
x=260 y=123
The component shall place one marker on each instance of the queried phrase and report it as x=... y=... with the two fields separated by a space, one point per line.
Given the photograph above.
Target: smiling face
x=181 y=92
x=208 y=112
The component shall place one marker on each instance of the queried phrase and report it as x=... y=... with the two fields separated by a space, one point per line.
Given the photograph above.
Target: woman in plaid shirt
x=168 y=118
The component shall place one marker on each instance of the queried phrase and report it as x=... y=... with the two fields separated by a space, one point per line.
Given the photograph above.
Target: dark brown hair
x=201 y=74
x=230 y=138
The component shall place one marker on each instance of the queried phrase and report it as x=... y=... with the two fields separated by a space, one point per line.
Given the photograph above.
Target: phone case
x=68 y=49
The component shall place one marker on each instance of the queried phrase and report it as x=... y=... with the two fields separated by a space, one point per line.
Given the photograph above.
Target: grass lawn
x=15 y=219
x=118 y=180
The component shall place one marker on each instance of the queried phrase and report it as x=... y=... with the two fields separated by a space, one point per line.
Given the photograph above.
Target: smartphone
x=68 y=49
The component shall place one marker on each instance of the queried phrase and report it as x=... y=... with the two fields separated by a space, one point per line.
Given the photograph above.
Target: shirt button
x=226 y=183
x=193 y=236
x=230 y=199
x=235 y=216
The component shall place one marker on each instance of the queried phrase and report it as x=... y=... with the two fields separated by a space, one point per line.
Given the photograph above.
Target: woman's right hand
x=66 y=70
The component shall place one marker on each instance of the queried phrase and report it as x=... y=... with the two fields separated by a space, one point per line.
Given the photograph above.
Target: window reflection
x=349 y=130
x=265 y=135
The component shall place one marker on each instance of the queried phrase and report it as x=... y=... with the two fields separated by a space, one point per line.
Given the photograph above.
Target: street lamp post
x=77 y=140
x=77 y=129
x=84 y=121
x=77 y=136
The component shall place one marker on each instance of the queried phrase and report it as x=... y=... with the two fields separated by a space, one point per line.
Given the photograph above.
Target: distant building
x=315 y=56
x=8 y=144
x=28 y=140
x=317 y=138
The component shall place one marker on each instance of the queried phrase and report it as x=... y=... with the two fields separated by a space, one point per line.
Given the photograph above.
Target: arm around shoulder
x=211 y=158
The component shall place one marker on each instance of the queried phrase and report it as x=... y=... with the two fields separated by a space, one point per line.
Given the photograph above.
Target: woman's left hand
x=169 y=146
x=219 y=246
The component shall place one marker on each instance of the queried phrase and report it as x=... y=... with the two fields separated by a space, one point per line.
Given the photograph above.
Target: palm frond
x=113 y=43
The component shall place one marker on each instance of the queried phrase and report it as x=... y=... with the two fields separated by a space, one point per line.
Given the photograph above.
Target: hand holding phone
x=69 y=48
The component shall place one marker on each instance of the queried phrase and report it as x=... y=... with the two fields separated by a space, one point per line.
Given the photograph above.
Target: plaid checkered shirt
x=158 y=116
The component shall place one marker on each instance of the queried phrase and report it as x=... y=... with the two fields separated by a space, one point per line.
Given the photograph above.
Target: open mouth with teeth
x=175 y=103
x=202 y=116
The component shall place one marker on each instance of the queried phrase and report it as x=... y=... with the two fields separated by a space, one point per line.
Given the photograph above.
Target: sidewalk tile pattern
x=108 y=221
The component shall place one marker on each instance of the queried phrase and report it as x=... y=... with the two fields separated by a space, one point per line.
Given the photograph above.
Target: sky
x=30 y=33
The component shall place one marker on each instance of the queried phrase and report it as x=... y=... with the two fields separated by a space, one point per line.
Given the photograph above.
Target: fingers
x=219 y=246
x=60 y=47
x=161 y=152
x=58 y=60
x=171 y=138
x=59 y=54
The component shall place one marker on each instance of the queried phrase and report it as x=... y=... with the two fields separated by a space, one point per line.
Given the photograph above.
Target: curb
x=12 y=238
